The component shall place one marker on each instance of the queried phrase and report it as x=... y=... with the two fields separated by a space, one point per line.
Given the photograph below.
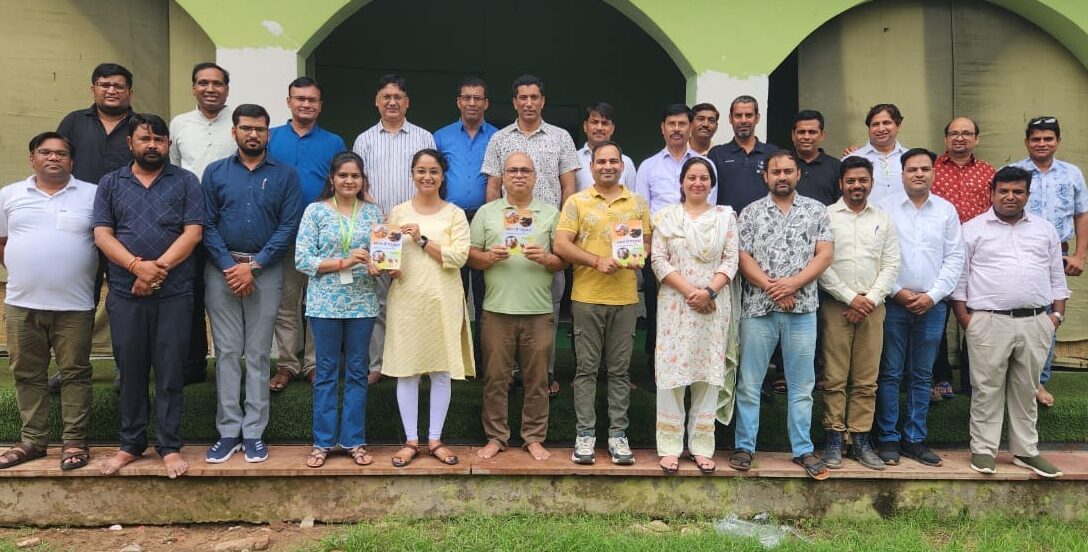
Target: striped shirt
x=387 y=161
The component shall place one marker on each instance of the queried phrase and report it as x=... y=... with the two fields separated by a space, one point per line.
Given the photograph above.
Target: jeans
x=910 y=347
x=353 y=334
x=758 y=337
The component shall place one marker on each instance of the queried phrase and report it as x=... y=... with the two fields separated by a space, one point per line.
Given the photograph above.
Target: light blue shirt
x=930 y=245
x=658 y=179
x=465 y=183
x=1057 y=194
x=319 y=239
x=887 y=171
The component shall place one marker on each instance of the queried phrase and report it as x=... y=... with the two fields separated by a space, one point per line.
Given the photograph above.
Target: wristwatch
x=255 y=268
x=713 y=294
x=423 y=241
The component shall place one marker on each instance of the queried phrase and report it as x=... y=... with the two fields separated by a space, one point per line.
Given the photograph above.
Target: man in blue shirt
x=309 y=149
x=252 y=216
x=740 y=163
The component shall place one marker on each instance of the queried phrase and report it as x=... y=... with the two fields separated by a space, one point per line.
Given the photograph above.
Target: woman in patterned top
x=341 y=304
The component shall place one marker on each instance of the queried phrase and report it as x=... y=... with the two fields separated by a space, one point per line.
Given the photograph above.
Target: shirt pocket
x=171 y=210
x=74 y=221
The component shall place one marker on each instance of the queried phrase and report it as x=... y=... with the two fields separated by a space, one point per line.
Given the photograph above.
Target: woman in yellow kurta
x=427 y=330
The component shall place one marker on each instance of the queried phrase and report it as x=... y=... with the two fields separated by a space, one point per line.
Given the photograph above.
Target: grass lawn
x=912 y=532
x=291 y=412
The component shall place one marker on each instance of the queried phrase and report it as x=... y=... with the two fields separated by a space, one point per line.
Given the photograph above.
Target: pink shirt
x=1011 y=266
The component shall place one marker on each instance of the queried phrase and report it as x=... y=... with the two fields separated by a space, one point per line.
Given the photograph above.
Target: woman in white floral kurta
x=694 y=254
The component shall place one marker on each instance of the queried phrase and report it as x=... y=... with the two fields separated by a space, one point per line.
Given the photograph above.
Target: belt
x=242 y=257
x=1020 y=313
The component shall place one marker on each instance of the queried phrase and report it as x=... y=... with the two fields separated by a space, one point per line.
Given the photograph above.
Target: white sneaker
x=620 y=451
x=583 y=450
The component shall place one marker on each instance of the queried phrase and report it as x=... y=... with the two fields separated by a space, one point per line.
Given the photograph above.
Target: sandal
x=280 y=381
x=670 y=467
x=448 y=458
x=935 y=395
x=360 y=456
x=741 y=460
x=946 y=391
x=707 y=466
x=20 y=453
x=553 y=389
x=400 y=460
x=317 y=457
x=779 y=386
x=814 y=467
x=74 y=454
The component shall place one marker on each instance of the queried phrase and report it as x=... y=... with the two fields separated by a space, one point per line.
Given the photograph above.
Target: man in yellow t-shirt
x=604 y=297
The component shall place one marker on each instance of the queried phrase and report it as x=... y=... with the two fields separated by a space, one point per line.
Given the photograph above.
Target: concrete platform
x=284 y=488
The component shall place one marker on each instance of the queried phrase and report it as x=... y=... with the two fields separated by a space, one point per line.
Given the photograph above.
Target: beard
x=252 y=152
x=112 y=110
x=151 y=161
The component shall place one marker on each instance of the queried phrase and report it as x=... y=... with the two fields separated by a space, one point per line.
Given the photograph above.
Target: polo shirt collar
x=74 y=183
x=759 y=147
x=169 y=169
x=624 y=192
x=535 y=205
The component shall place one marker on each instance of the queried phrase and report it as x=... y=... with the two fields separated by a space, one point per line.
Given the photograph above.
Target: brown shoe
x=280 y=381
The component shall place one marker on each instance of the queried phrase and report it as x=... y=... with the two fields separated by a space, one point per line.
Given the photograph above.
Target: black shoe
x=863 y=452
x=889 y=453
x=54 y=384
x=833 y=450
x=921 y=453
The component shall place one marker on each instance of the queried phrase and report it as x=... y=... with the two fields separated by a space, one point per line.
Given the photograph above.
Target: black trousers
x=150 y=333
x=196 y=362
x=649 y=293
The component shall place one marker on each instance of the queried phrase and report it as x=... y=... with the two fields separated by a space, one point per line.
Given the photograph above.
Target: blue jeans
x=758 y=337
x=329 y=335
x=910 y=347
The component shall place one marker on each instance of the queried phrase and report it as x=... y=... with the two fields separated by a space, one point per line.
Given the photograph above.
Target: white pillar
x=720 y=89
x=260 y=76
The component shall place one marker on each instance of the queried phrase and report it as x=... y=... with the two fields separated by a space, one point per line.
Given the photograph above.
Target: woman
x=341 y=304
x=694 y=254
x=427 y=329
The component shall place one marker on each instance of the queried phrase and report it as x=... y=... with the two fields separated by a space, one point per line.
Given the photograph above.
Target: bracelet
x=132 y=265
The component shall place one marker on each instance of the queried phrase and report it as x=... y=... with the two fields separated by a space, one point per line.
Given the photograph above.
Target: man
x=740 y=162
x=201 y=136
x=148 y=217
x=309 y=149
x=604 y=299
x=820 y=176
x=964 y=181
x=862 y=273
x=252 y=216
x=517 y=315
x=1002 y=302
x=599 y=126
x=99 y=133
x=704 y=125
x=387 y=149
x=49 y=304
x=1058 y=193
x=931 y=251
x=785 y=244
x=883 y=151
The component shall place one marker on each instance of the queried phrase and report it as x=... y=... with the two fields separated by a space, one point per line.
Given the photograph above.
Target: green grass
x=912 y=532
x=291 y=412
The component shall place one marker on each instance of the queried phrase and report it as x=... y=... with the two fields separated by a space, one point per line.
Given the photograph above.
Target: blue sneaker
x=222 y=450
x=255 y=450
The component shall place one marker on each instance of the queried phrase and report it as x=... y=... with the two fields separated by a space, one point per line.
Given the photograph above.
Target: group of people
x=270 y=230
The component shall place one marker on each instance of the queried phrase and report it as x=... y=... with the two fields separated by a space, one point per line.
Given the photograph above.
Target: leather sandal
x=741 y=460
x=74 y=454
x=281 y=380
x=399 y=460
x=706 y=467
x=20 y=453
x=448 y=457
x=360 y=456
x=317 y=457
x=671 y=466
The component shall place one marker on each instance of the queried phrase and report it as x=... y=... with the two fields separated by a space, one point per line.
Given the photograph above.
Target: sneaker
x=583 y=450
x=889 y=453
x=863 y=452
x=921 y=453
x=222 y=450
x=620 y=451
x=983 y=463
x=1038 y=465
x=255 y=450
x=833 y=450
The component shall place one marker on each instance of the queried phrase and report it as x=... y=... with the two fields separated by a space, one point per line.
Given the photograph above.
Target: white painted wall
x=261 y=76
x=720 y=89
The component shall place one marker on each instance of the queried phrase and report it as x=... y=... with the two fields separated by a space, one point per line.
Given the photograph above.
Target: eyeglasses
x=523 y=171
x=118 y=86
x=305 y=100
x=1043 y=121
x=47 y=153
x=470 y=98
x=252 y=129
x=958 y=134
x=392 y=97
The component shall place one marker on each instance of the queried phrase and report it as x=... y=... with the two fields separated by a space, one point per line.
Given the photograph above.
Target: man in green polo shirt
x=511 y=243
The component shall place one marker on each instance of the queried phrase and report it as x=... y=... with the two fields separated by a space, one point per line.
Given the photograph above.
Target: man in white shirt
x=49 y=304
x=931 y=259
x=884 y=150
x=599 y=127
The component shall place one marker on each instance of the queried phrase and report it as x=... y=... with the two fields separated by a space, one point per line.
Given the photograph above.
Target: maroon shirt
x=967 y=188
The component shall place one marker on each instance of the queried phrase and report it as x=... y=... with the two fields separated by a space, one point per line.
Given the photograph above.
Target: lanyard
x=346 y=237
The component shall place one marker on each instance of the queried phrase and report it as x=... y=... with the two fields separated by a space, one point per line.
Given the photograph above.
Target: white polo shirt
x=50 y=254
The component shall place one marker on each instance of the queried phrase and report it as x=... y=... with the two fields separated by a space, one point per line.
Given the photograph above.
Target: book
x=517 y=230
x=627 y=246
x=385 y=247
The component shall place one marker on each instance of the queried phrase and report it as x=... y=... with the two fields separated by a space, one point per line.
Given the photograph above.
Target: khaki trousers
x=31 y=333
x=851 y=354
x=603 y=332
x=292 y=330
x=529 y=337
x=1007 y=356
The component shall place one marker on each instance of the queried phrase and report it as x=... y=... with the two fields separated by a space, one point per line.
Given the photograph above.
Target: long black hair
x=339 y=160
x=441 y=159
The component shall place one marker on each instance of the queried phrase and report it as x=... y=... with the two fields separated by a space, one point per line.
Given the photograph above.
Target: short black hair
x=705 y=107
x=892 y=109
x=209 y=65
x=527 y=80
x=915 y=152
x=442 y=162
x=471 y=82
x=305 y=82
x=977 y=131
x=150 y=120
x=249 y=110
x=677 y=109
x=395 y=80
x=109 y=70
x=50 y=135
x=855 y=162
x=1043 y=123
x=604 y=109
x=809 y=115
x=1011 y=174
x=593 y=156
x=687 y=166
x=782 y=153
x=744 y=99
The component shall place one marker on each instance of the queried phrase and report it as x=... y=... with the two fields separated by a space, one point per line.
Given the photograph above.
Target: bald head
x=518 y=176
x=961 y=137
